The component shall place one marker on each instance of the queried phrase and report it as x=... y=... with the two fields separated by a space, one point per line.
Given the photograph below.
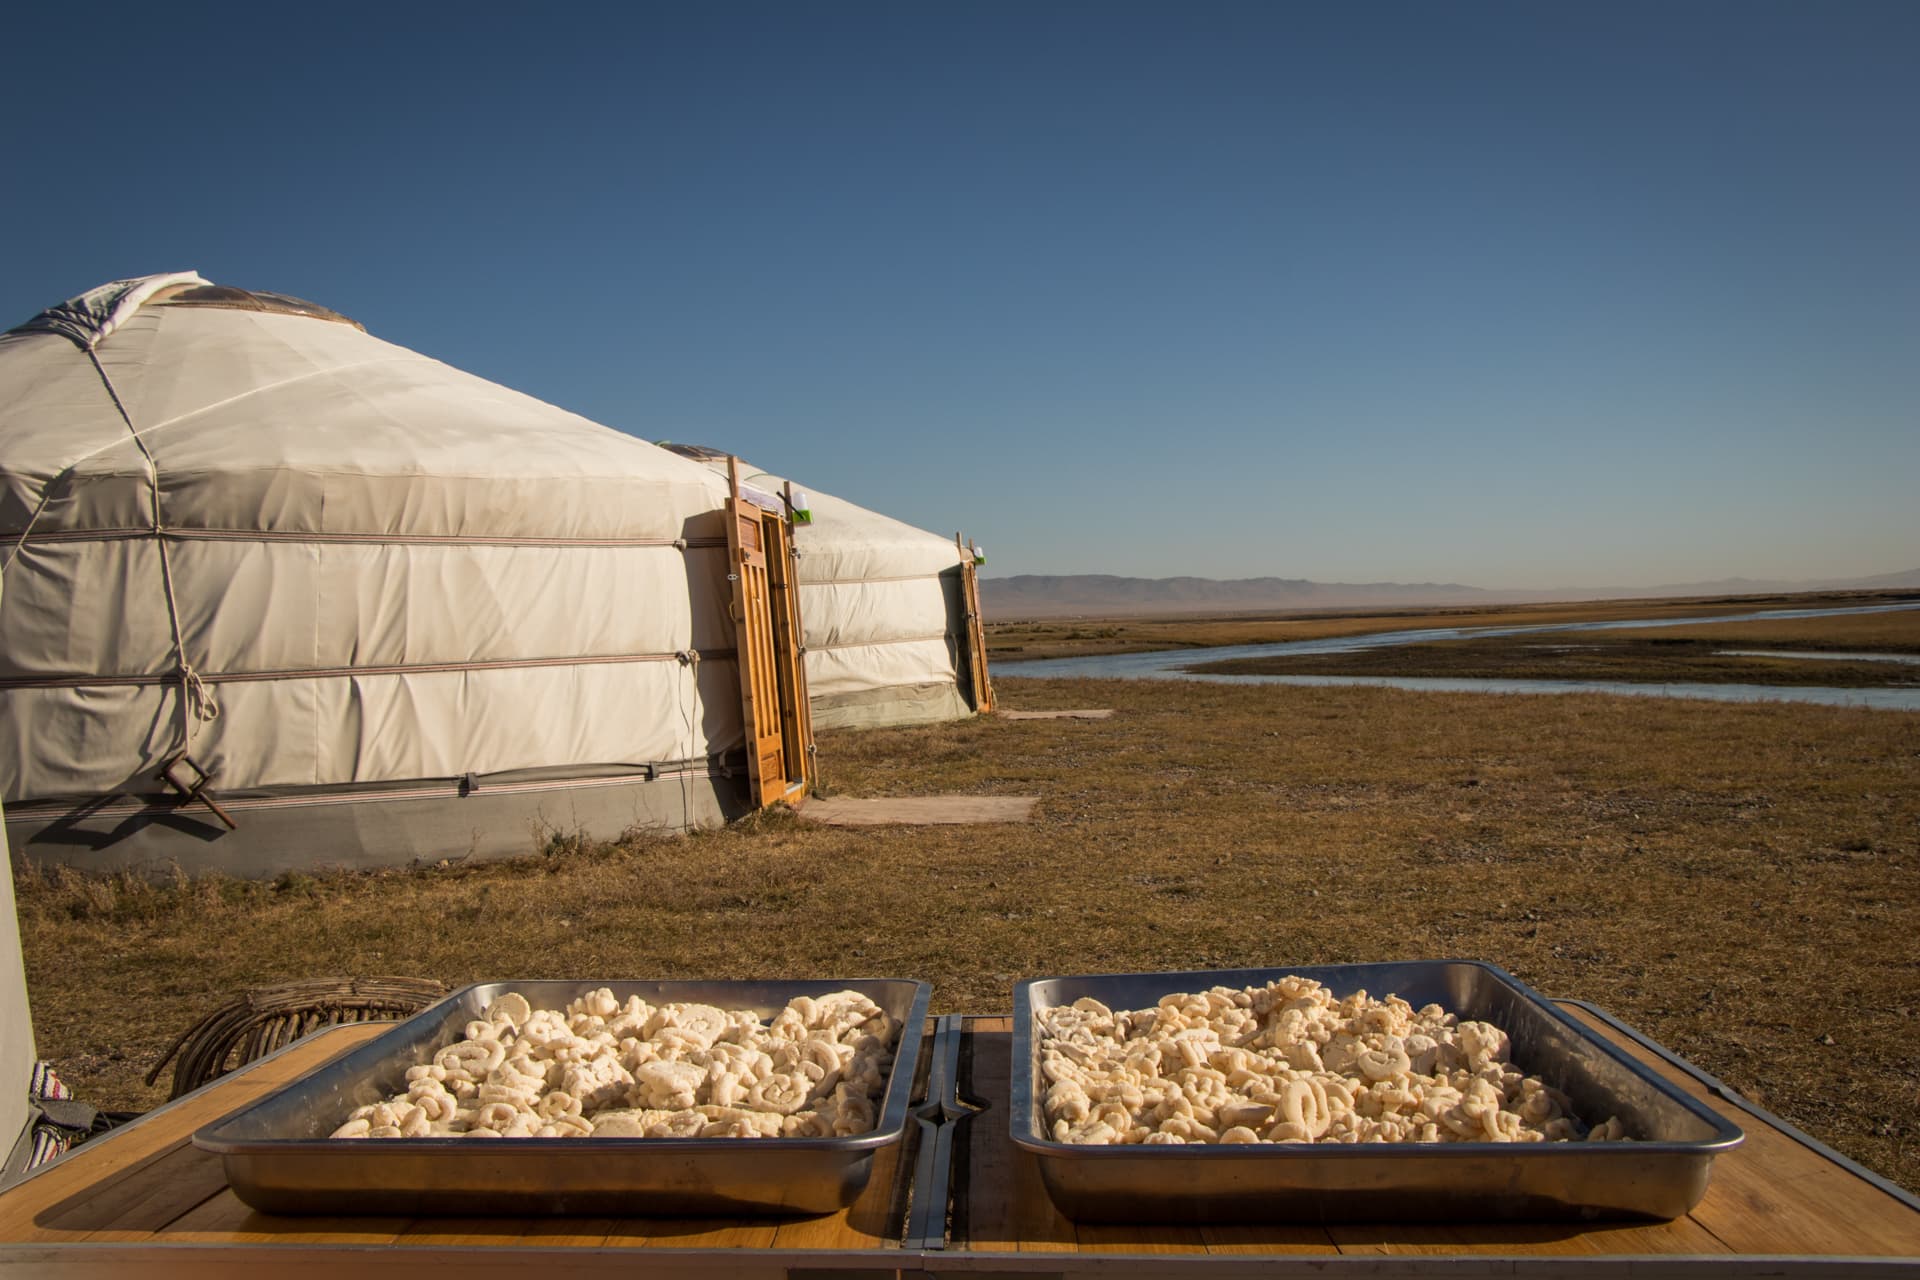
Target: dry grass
x=1736 y=880
x=1894 y=632
x=1660 y=655
x=1057 y=638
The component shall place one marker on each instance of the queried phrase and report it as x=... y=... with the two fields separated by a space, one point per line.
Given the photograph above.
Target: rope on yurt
x=197 y=702
x=861 y=582
x=46 y=496
x=690 y=660
x=874 y=644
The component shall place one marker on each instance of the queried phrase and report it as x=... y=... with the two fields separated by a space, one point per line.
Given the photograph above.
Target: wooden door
x=975 y=636
x=767 y=628
x=796 y=713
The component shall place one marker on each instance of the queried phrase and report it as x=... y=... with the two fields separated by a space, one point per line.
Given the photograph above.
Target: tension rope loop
x=197 y=702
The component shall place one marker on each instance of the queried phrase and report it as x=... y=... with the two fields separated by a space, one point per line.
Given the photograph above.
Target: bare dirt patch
x=918 y=811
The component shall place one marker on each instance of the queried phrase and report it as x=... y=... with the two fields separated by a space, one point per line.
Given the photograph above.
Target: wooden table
x=144 y=1199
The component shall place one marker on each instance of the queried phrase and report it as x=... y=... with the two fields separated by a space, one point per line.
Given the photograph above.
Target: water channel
x=1174 y=664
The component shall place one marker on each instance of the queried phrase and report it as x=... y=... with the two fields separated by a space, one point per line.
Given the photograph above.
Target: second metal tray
x=279 y=1158
x=1661 y=1174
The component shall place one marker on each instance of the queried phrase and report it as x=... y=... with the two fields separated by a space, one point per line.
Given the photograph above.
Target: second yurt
x=888 y=610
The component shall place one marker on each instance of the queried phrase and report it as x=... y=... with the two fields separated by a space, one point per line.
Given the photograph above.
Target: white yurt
x=276 y=594
x=883 y=609
x=17 y=1054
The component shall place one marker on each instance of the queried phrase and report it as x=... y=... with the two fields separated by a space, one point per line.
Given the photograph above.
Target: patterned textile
x=50 y=1138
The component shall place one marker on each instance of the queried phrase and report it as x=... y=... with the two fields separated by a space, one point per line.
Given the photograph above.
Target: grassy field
x=1057 y=638
x=1891 y=632
x=1653 y=655
x=1736 y=880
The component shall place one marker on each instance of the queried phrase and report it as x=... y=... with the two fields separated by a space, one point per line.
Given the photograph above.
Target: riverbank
x=1737 y=881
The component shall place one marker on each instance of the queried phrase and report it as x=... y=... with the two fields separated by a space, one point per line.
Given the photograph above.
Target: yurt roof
x=260 y=412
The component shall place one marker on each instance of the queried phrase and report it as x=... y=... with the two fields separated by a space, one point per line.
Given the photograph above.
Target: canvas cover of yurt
x=17 y=1054
x=883 y=610
x=362 y=605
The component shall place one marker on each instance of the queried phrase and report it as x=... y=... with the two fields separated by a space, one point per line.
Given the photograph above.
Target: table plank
x=134 y=1209
x=1527 y=1239
x=1281 y=1239
x=1772 y=1194
x=130 y=1205
x=1005 y=1206
x=568 y=1233
x=1773 y=1202
x=101 y=1171
x=874 y=1219
x=463 y=1231
x=689 y=1233
x=227 y=1219
x=1138 y=1237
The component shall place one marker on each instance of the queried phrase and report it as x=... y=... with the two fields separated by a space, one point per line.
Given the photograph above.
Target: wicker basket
x=269 y=1018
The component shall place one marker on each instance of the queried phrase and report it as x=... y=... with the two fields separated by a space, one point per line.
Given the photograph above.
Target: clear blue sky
x=1509 y=294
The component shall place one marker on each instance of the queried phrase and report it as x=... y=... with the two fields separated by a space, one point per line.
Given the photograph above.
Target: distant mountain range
x=1030 y=595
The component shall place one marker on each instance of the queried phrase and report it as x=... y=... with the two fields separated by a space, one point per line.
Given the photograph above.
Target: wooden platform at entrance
x=919 y=811
x=1091 y=714
x=143 y=1201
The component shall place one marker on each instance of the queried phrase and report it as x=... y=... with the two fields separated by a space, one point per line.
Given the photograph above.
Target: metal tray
x=1662 y=1174
x=279 y=1159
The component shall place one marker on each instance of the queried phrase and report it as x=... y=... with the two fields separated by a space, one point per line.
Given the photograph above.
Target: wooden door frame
x=771 y=658
x=980 y=683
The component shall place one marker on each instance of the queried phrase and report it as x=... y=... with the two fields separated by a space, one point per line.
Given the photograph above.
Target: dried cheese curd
x=607 y=1068
x=1288 y=1062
